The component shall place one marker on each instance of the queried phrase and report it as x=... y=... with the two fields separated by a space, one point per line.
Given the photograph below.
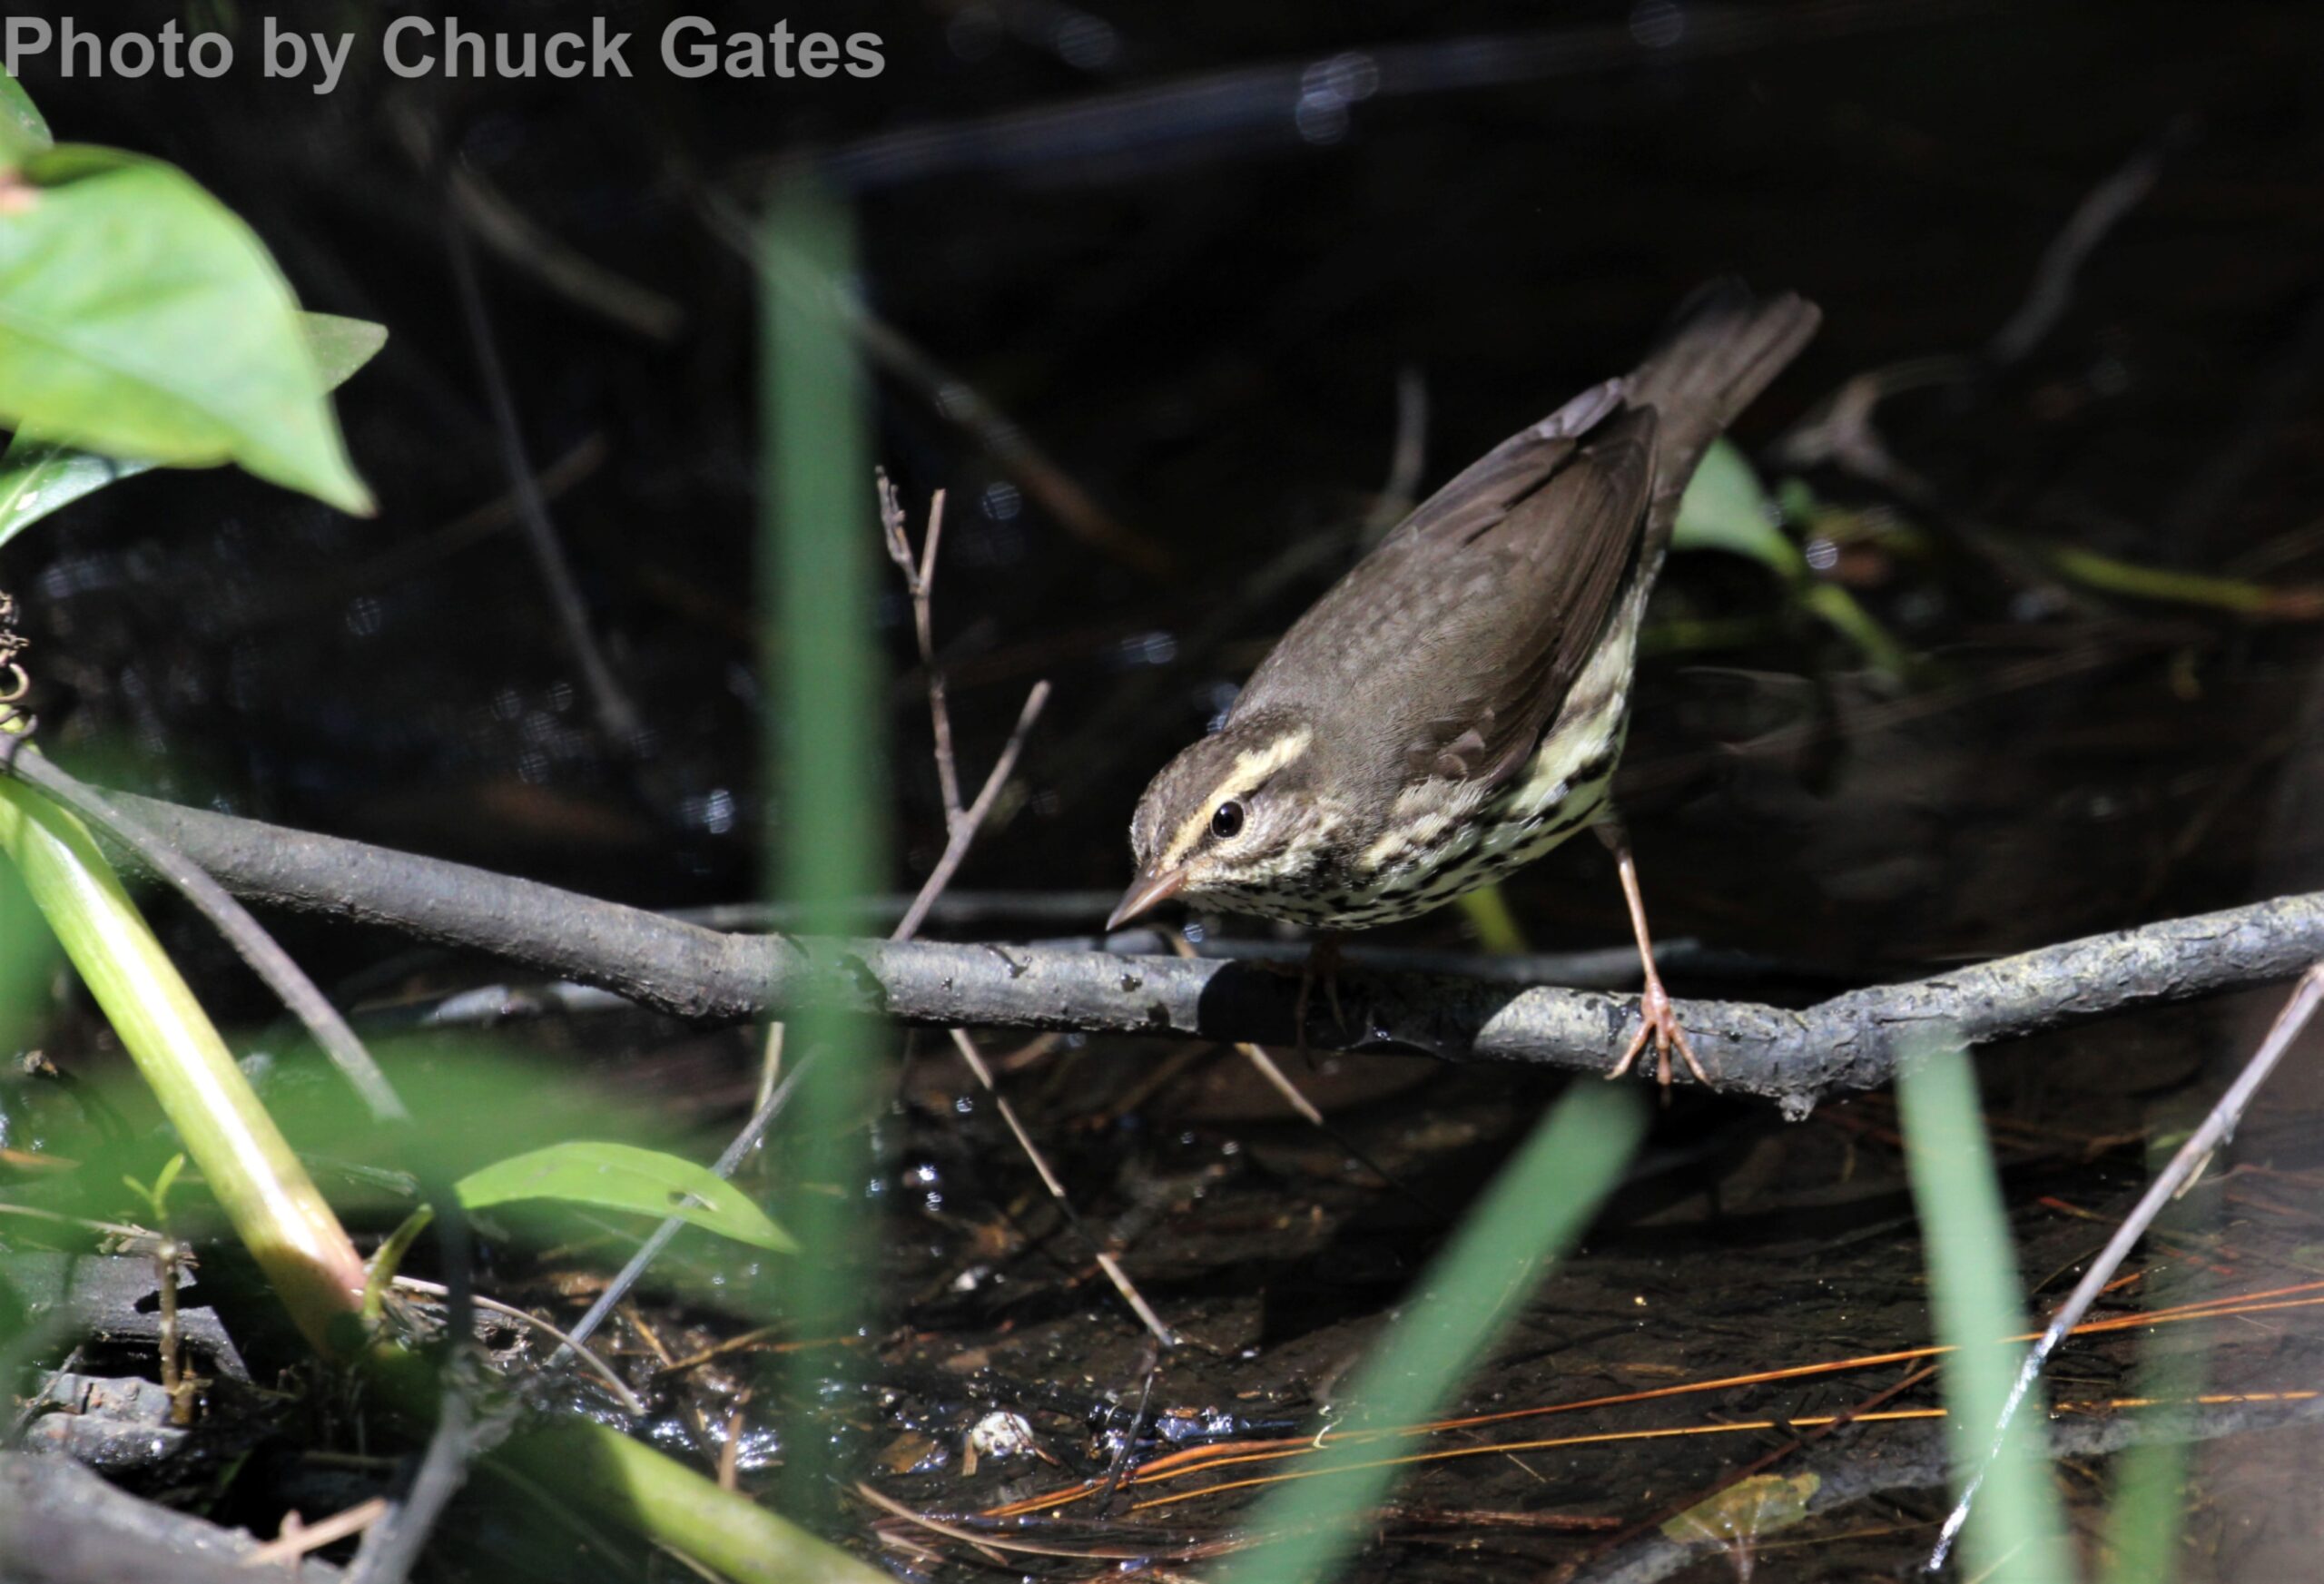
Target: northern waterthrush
x=1453 y=708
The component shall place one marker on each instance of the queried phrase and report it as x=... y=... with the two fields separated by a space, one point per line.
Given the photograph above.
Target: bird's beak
x=1149 y=890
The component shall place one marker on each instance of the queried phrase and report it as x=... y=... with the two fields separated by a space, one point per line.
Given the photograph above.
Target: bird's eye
x=1226 y=821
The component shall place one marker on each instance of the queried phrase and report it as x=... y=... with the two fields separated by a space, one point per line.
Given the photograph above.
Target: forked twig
x=919 y=574
x=298 y=1540
x=971 y=819
x=919 y=582
x=962 y=825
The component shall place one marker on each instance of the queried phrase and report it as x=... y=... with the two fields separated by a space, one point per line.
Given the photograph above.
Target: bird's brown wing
x=1447 y=650
x=1565 y=549
x=1480 y=497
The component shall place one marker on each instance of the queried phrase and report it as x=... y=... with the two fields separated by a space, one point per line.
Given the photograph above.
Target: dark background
x=1199 y=312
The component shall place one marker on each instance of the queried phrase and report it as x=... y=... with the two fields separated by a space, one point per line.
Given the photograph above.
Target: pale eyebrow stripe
x=1250 y=767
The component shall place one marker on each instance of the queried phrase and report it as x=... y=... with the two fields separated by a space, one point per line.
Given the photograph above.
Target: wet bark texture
x=1852 y=1041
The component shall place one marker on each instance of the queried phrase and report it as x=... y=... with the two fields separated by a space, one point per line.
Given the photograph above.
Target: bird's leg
x=1323 y=964
x=1657 y=1021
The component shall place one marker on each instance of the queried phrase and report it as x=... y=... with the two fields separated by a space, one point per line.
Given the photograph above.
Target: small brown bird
x=1453 y=708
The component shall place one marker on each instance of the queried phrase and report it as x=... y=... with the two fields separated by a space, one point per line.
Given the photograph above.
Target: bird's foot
x=1658 y=1026
x=1323 y=965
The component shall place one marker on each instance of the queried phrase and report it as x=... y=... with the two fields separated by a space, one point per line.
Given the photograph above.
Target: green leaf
x=817 y=591
x=37 y=476
x=1746 y=1512
x=339 y=345
x=2016 y=1532
x=1725 y=508
x=622 y=1176
x=2111 y=575
x=22 y=130
x=140 y=317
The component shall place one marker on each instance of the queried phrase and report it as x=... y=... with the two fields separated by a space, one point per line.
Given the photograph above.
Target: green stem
x=387 y=1260
x=275 y=1208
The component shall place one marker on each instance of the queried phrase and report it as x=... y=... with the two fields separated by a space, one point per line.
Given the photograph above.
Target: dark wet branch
x=1852 y=1041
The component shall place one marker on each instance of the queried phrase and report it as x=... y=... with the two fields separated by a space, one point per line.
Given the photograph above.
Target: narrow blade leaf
x=1527 y=1221
x=622 y=1176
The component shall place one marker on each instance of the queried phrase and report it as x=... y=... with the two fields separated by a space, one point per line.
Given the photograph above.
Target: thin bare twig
x=1270 y=1070
x=1120 y=1465
x=990 y=1544
x=2102 y=209
x=617 y=717
x=965 y=829
x=920 y=578
x=297 y=1539
x=1407 y=457
x=630 y=1402
x=289 y=599
x=953 y=399
x=1106 y=1259
x=1194 y=118
x=2174 y=1179
x=920 y=581
x=521 y=242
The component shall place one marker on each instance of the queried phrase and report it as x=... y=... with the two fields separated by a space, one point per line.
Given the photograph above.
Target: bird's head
x=1235 y=815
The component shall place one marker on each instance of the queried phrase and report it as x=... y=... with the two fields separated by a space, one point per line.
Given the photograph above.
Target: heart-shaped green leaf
x=1725 y=508
x=622 y=1176
x=141 y=319
x=37 y=476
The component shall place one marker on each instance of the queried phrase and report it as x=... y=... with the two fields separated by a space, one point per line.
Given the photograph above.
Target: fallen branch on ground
x=1852 y=1041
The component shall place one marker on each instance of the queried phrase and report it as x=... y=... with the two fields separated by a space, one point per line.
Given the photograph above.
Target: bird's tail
x=1722 y=348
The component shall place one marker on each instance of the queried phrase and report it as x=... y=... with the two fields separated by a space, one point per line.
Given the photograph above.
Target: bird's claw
x=1658 y=1024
